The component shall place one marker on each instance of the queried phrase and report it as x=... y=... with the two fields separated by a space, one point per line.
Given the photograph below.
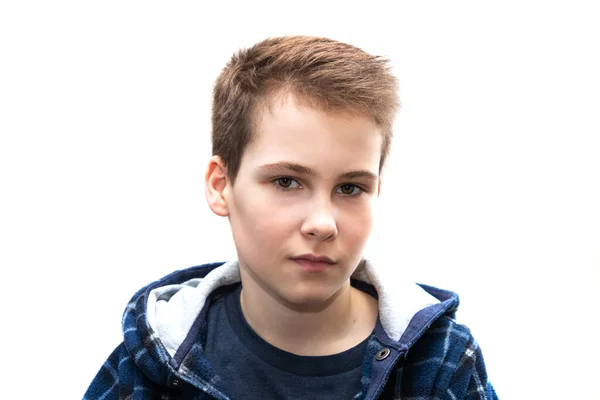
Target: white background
x=493 y=188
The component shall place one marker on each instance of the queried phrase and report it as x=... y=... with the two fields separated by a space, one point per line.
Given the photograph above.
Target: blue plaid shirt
x=435 y=358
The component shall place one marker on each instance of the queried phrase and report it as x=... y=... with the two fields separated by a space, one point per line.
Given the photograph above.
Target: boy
x=301 y=130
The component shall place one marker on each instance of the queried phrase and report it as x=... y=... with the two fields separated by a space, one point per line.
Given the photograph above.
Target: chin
x=309 y=299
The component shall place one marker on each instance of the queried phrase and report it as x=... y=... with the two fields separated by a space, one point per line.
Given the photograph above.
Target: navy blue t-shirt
x=255 y=369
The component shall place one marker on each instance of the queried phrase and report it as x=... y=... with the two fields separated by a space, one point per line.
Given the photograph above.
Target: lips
x=313 y=263
x=314 y=258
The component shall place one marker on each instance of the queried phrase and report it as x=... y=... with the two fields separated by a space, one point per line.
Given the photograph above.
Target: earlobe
x=216 y=185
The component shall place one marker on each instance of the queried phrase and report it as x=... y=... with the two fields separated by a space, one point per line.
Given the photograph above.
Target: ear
x=216 y=186
x=379 y=186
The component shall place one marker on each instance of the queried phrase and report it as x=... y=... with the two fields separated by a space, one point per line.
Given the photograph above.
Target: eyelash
x=278 y=186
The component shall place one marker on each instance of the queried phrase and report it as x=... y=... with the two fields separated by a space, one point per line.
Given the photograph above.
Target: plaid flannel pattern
x=140 y=368
x=137 y=366
x=441 y=361
x=445 y=363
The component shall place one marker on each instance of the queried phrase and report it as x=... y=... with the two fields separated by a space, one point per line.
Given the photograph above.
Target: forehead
x=327 y=142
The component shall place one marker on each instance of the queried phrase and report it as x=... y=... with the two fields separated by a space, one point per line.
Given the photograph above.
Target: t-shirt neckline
x=283 y=360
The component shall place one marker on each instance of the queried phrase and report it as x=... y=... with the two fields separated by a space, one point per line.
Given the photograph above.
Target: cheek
x=357 y=226
x=257 y=224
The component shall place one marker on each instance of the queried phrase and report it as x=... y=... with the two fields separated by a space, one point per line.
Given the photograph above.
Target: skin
x=293 y=196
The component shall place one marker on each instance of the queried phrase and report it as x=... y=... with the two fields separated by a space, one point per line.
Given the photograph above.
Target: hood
x=160 y=316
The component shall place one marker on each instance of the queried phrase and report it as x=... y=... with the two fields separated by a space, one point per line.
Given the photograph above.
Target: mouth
x=312 y=263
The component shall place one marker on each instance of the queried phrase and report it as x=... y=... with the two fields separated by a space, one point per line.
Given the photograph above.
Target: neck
x=338 y=324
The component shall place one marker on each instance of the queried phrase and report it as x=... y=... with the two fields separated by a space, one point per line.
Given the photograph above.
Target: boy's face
x=306 y=185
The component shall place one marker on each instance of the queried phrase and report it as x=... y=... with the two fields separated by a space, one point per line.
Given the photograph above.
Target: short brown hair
x=324 y=73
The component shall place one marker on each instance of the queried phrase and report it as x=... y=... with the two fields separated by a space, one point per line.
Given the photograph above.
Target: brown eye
x=284 y=182
x=349 y=189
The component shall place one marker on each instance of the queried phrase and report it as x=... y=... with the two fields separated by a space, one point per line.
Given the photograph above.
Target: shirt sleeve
x=470 y=380
x=106 y=382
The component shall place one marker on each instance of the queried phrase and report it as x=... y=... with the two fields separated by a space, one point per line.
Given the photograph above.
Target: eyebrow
x=286 y=167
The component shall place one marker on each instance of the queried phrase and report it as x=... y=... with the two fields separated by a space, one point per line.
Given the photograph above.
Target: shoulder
x=442 y=345
x=446 y=330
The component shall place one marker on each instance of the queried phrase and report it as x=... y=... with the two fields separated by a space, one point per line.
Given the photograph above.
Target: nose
x=320 y=224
